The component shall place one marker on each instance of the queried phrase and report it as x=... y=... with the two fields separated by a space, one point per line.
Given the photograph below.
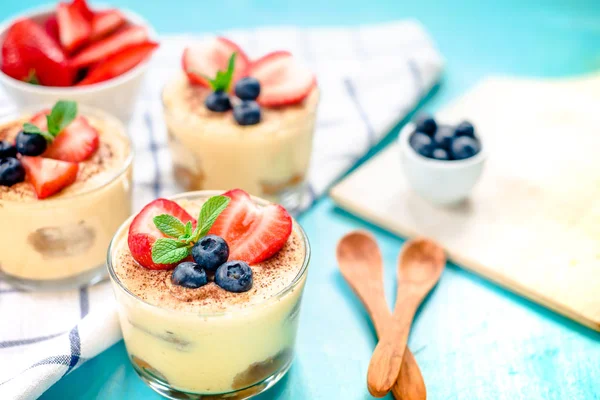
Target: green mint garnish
x=183 y=237
x=222 y=81
x=62 y=114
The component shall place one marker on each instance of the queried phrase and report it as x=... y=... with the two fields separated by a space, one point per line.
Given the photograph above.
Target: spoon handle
x=387 y=359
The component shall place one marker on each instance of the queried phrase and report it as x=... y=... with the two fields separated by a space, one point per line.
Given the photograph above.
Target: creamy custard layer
x=207 y=340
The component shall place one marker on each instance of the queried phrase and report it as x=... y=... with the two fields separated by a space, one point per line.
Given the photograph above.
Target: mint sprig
x=181 y=238
x=62 y=114
x=222 y=82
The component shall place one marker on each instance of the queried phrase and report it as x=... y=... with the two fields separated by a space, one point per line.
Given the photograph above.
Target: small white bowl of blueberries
x=442 y=162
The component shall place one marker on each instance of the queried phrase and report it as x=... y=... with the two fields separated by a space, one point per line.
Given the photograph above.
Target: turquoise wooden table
x=472 y=339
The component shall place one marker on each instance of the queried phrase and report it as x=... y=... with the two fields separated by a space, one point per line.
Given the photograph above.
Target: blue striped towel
x=370 y=78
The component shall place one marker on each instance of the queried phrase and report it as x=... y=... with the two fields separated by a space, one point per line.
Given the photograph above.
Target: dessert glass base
x=88 y=278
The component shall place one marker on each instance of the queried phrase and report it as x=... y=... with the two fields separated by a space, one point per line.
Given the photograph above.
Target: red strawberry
x=282 y=80
x=253 y=233
x=143 y=233
x=76 y=143
x=28 y=48
x=51 y=27
x=109 y=46
x=119 y=63
x=73 y=28
x=105 y=22
x=49 y=176
x=210 y=56
x=83 y=8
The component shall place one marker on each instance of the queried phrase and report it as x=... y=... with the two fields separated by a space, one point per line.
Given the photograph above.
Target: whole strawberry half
x=211 y=55
x=49 y=176
x=74 y=28
x=283 y=80
x=105 y=22
x=143 y=233
x=253 y=233
x=27 y=48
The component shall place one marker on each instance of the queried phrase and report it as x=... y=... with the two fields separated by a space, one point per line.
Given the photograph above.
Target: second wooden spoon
x=361 y=265
x=420 y=266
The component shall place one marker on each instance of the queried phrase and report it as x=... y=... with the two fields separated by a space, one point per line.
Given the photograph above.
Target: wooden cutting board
x=532 y=224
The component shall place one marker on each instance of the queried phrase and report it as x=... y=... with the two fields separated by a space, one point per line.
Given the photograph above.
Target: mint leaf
x=188 y=229
x=209 y=213
x=169 y=225
x=62 y=114
x=222 y=80
x=169 y=251
x=32 y=129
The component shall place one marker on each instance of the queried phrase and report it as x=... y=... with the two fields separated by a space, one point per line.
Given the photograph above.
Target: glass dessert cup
x=269 y=160
x=60 y=243
x=234 y=354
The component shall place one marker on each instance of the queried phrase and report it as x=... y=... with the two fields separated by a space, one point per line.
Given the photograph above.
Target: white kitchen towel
x=370 y=78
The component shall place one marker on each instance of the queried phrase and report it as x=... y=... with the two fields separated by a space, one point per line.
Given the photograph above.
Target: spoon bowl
x=421 y=262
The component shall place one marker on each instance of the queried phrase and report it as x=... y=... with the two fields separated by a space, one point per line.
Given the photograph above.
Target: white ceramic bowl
x=439 y=182
x=116 y=96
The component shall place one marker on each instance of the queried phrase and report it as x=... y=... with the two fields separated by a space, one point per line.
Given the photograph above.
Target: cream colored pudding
x=61 y=241
x=211 y=151
x=208 y=341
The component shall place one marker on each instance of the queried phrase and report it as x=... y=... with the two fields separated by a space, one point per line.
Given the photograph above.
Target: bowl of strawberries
x=94 y=56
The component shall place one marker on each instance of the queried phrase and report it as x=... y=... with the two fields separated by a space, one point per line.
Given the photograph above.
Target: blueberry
x=422 y=144
x=7 y=149
x=247 y=113
x=218 y=102
x=443 y=137
x=465 y=128
x=464 y=147
x=11 y=171
x=210 y=252
x=440 y=154
x=189 y=274
x=426 y=124
x=30 y=144
x=247 y=88
x=234 y=276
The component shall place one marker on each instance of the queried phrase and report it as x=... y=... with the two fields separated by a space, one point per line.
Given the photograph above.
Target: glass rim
x=15 y=114
x=208 y=193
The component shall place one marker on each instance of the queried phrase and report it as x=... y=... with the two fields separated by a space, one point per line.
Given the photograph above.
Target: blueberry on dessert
x=7 y=149
x=464 y=147
x=11 y=171
x=426 y=124
x=247 y=88
x=30 y=143
x=218 y=101
x=190 y=275
x=247 y=113
x=210 y=252
x=234 y=276
x=465 y=128
x=422 y=144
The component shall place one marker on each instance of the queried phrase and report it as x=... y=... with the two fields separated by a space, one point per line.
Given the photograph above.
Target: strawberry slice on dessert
x=143 y=233
x=73 y=27
x=283 y=80
x=211 y=55
x=119 y=63
x=109 y=46
x=76 y=143
x=253 y=233
x=49 y=176
x=105 y=22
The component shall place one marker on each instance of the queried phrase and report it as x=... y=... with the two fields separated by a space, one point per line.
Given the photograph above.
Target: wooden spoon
x=420 y=266
x=361 y=265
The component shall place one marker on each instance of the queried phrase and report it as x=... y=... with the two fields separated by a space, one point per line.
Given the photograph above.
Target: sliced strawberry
x=51 y=27
x=143 y=233
x=28 y=48
x=282 y=79
x=105 y=22
x=49 y=176
x=119 y=63
x=211 y=55
x=76 y=143
x=109 y=46
x=83 y=8
x=253 y=233
x=73 y=28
